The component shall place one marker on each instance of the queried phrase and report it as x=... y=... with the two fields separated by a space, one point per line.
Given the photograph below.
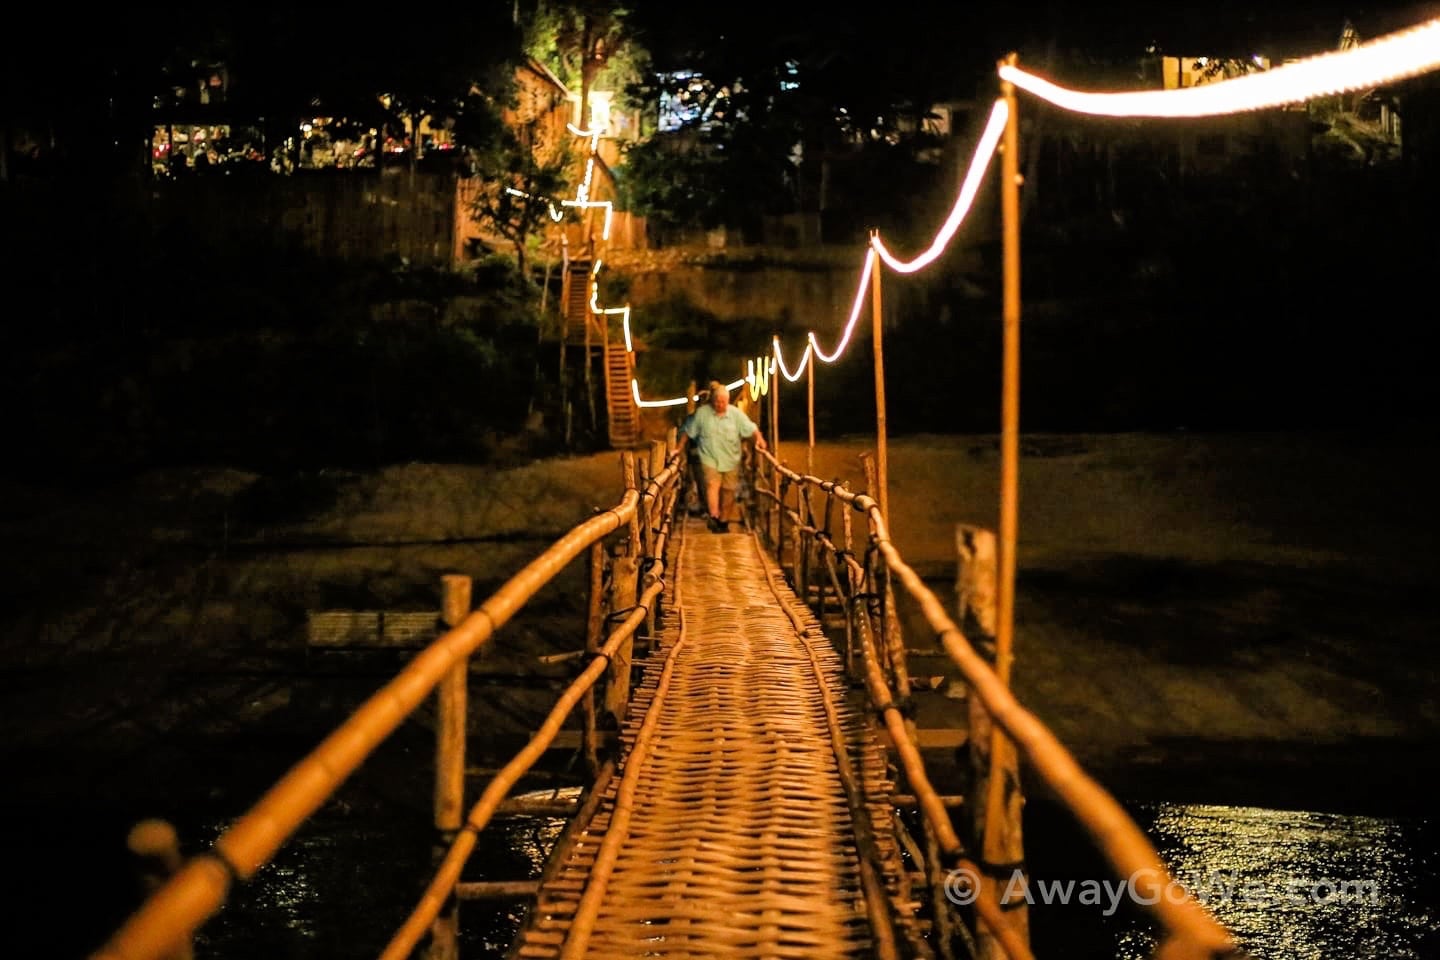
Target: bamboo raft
x=751 y=812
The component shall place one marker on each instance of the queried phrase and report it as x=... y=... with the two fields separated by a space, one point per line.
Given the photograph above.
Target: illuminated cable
x=758 y=373
x=635 y=390
x=1379 y=62
x=556 y=215
x=984 y=150
x=780 y=361
x=673 y=401
x=860 y=291
x=591 y=204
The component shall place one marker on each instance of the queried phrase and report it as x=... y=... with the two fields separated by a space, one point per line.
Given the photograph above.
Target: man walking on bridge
x=717 y=430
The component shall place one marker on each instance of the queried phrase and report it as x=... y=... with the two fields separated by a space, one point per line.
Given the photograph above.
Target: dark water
x=1289 y=884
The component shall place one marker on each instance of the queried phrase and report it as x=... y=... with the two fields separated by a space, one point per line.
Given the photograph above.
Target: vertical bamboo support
x=808 y=513
x=450 y=718
x=624 y=594
x=1010 y=399
x=779 y=518
x=773 y=527
x=879 y=587
x=797 y=539
x=847 y=525
x=810 y=410
x=775 y=417
x=156 y=848
x=877 y=328
x=654 y=516
x=829 y=517
x=594 y=626
x=935 y=876
x=1002 y=840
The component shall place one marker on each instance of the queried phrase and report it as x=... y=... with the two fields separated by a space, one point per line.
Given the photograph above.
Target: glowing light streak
x=590 y=205
x=780 y=361
x=556 y=215
x=1379 y=62
x=984 y=150
x=860 y=292
x=624 y=311
x=635 y=390
x=673 y=401
x=758 y=374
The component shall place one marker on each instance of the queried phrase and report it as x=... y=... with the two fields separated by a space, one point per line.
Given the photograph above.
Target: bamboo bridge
x=759 y=788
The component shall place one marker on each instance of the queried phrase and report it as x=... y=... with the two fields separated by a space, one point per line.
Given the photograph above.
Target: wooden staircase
x=576 y=295
x=584 y=328
x=622 y=415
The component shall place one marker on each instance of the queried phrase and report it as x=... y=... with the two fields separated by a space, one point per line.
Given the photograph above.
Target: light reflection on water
x=1298 y=885
x=342 y=887
x=1291 y=885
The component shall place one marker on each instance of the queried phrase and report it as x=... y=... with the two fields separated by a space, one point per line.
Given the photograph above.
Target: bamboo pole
x=156 y=848
x=451 y=708
x=775 y=416
x=624 y=589
x=810 y=410
x=450 y=717
x=847 y=526
x=877 y=328
x=594 y=626
x=1001 y=842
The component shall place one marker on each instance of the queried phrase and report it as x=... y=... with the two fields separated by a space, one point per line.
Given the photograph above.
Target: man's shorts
x=729 y=480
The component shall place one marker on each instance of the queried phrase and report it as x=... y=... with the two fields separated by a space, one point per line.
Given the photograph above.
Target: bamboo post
x=848 y=527
x=695 y=478
x=797 y=535
x=450 y=719
x=775 y=417
x=877 y=326
x=156 y=848
x=624 y=594
x=594 y=626
x=1003 y=801
x=880 y=586
x=995 y=776
x=810 y=411
x=829 y=517
x=1010 y=399
x=802 y=576
x=784 y=493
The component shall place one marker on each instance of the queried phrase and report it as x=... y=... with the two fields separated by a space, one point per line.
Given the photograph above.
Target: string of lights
x=1394 y=57
x=1363 y=67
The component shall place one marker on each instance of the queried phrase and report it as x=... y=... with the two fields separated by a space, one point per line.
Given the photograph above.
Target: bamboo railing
x=164 y=925
x=783 y=514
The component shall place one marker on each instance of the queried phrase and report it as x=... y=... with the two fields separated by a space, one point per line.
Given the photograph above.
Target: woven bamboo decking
x=726 y=830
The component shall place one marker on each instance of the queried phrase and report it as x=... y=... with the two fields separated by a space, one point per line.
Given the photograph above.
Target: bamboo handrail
x=448 y=874
x=1123 y=842
x=170 y=916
